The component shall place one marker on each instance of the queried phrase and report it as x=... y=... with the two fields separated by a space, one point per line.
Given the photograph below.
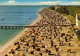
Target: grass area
x=68 y=10
x=78 y=34
x=79 y=24
x=71 y=18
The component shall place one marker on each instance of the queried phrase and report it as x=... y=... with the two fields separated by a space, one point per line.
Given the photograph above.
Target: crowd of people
x=54 y=37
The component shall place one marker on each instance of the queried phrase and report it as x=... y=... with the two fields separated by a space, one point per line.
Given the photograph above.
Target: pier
x=22 y=27
x=16 y=27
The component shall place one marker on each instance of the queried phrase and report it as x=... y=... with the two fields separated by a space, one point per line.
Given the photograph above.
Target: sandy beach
x=22 y=33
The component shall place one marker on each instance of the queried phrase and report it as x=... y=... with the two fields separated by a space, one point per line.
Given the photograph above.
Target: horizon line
x=30 y=5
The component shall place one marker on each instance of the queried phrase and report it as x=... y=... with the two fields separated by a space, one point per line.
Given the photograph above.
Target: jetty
x=22 y=27
x=17 y=27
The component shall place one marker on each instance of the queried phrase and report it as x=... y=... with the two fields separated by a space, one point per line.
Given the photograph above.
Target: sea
x=16 y=15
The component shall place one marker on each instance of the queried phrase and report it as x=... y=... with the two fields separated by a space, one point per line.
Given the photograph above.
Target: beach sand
x=8 y=45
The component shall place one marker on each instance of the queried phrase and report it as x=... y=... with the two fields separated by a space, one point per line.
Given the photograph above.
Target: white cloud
x=50 y=2
x=75 y=3
x=60 y=2
x=11 y=1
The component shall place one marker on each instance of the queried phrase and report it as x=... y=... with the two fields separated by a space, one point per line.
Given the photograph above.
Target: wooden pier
x=22 y=27
x=16 y=27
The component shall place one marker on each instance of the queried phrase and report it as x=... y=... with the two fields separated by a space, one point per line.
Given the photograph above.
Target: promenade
x=55 y=37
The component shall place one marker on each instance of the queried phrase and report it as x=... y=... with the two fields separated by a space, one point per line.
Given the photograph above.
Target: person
x=51 y=43
x=69 y=50
x=26 y=50
x=6 y=55
x=40 y=54
x=3 y=19
x=58 y=54
x=32 y=52
x=69 y=44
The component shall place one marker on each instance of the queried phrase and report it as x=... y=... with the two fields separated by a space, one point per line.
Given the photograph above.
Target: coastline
x=13 y=40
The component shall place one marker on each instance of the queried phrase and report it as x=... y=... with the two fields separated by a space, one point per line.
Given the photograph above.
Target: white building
x=57 y=6
x=77 y=19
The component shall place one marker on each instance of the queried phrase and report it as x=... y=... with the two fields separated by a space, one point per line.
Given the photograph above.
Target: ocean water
x=16 y=15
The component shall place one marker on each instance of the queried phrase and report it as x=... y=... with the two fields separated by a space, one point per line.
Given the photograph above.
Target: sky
x=39 y=2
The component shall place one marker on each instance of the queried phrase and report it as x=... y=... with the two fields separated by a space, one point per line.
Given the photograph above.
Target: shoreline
x=14 y=39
